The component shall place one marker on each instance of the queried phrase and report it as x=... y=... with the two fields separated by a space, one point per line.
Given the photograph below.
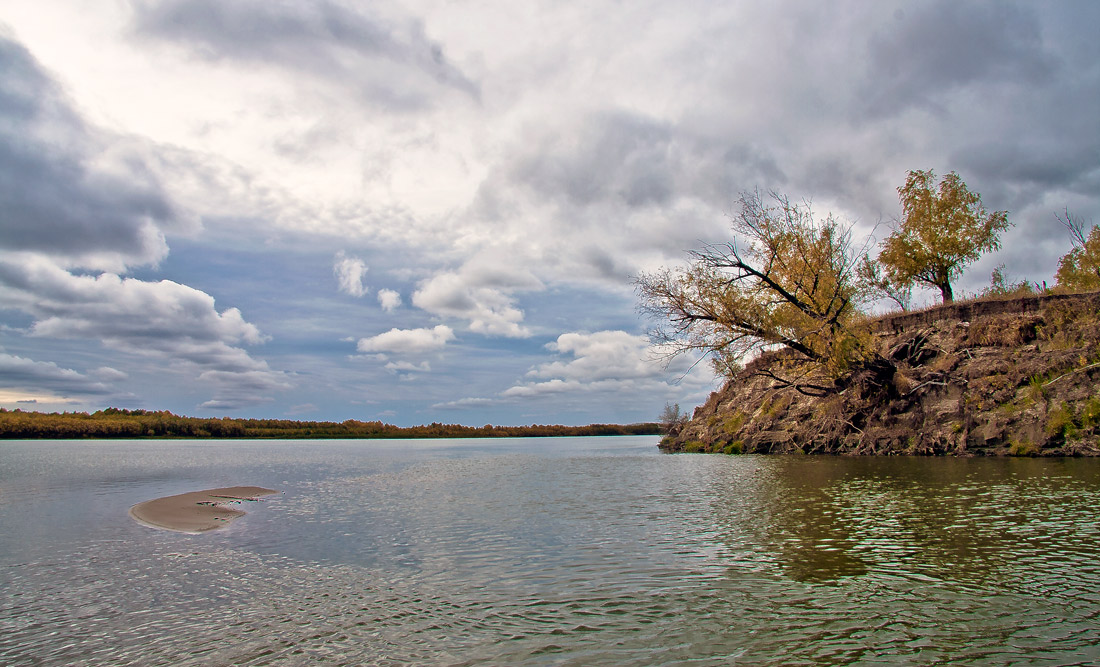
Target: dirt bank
x=986 y=378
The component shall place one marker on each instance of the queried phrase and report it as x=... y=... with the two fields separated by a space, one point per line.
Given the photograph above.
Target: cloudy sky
x=432 y=210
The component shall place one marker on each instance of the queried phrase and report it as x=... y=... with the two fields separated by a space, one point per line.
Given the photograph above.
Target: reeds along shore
x=116 y=423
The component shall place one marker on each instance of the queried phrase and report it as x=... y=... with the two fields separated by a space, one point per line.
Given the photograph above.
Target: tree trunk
x=946 y=293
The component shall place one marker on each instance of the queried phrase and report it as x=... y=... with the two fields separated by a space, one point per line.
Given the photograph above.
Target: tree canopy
x=792 y=281
x=942 y=231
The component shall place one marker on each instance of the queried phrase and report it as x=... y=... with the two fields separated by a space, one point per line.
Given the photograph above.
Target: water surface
x=565 y=551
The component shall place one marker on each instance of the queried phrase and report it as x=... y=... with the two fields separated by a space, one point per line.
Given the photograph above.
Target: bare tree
x=671 y=419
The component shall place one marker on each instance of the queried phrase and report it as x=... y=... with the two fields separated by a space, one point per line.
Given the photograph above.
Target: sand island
x=197 y=511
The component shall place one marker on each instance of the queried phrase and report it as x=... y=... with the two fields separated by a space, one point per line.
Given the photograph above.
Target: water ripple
x=512 y=557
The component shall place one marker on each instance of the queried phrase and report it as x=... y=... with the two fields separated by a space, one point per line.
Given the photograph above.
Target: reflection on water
x=560 y=552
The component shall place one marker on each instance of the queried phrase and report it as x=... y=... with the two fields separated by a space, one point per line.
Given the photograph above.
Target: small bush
x=1023 y=448
x=1090 y=414
x=735 y=447
x=733 y=424
x=1060 y=421
x=694 y=447
x=1035 y=388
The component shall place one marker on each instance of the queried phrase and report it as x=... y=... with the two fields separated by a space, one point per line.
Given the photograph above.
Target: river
x=558 y=551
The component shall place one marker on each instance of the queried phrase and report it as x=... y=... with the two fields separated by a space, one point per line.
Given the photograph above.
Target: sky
x=434 y=211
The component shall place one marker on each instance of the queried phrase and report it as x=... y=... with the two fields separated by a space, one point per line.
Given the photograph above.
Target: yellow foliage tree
x=943 y=230
x=793 y=282
x=1079 y=269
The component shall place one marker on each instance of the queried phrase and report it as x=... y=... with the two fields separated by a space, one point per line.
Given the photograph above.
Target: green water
x=573 y=551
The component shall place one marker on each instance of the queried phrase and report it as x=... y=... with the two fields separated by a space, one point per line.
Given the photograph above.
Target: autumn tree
x=1079 y=269
x=789 y=280
x=943 y=229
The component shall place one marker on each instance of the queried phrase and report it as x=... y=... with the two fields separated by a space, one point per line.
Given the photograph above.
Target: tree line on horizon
x=790 y=281
x=121 y=423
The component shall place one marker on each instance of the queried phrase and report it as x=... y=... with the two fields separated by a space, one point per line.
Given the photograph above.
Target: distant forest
x=118 y=423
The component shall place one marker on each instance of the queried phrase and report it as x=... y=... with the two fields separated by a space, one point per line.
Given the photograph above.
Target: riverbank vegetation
x=118 y=423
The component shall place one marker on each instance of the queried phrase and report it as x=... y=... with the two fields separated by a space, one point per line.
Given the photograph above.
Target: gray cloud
x=636 y=161
x=323 y=39
x=76 y=198
x=604 y=142
x=64 y=190
x=27 y=374
x=236 y=390
x=932 y=49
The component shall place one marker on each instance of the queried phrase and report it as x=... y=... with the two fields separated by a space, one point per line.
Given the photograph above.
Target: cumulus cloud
x=489 y=311
x=389 y=300
x=604 y=361
x=391 y=63
x=603 y=355
x=613 y=364
x=349 y=272
x=124 y=313
x=481 y=292
x=408 y=342
x=163 y=320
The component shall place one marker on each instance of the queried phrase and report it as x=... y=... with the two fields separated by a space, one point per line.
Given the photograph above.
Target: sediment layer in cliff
x=996 y=377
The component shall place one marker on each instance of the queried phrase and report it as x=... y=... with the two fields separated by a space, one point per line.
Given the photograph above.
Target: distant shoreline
x=147 y=424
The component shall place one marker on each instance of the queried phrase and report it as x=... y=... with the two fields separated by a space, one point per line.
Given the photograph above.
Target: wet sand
x=197 y=511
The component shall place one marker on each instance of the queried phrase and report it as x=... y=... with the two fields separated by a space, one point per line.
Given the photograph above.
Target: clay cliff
x=985 y=378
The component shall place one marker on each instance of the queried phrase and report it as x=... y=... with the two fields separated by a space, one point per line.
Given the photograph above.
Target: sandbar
x=197 y=511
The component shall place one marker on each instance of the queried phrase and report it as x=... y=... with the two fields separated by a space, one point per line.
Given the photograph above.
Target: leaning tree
x=788 y=280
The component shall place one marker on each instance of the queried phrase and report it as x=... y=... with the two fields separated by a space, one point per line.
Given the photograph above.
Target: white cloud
x=481 y=292
x=389 y=300
x=515 y=184
x=408 y=342
x=466 y=403
x=108 y=374
x=603 y=362
x=408 y=367
x=349 y=272
x=142 y=317
x=603 y=355
x=550 y=387
x=163 y=320
x=489 y=311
